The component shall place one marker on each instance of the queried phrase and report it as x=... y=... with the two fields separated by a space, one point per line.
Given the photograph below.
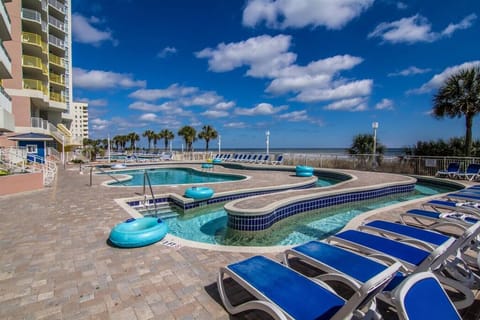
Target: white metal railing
x=17 y=160
x=56 y=41
x=56 y=23
x=31 y=15
x=39 y=123
x=57 y=5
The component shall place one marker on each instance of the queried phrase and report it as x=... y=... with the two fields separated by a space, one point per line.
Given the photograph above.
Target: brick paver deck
x=55 y=262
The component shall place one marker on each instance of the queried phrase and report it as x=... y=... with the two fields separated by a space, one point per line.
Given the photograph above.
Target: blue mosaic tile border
x=262 y=222
x=196 y=204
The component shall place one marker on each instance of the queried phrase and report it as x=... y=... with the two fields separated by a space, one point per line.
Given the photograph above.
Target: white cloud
x=464 y=24
x=402 y=5
x=98 y=124
x=260 y=109
x=385 y=104
x=202 y=99
x=225 y=105
x=172 y=92
x=353 y=104
x=263 y=54
x=93 y=102
x=439 y=79
x=98 y=79
x=148 y=117
x=166 y=108
x=416 y=29
x=235 y=125
x=166 y=51
x=84 y=32
x=215 y=114
x=267 y=56
x=295 y=116
x=343 y=91
x=409 y=30
x=409 y=71
x=281 y=14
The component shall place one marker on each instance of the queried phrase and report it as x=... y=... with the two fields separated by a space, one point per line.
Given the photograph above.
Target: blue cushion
x=426 y=300
x=412 y=232
x=299 y=296
x=404 y=252
x=425 y=213
x=354 y=265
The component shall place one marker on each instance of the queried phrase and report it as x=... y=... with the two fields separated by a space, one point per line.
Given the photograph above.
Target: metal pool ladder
x=146 y=179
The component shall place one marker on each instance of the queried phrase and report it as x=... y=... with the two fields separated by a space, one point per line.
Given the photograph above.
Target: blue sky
x=315 y=73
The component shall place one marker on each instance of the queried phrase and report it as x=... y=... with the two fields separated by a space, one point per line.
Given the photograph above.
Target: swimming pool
x=208 y=224
x=169 y=176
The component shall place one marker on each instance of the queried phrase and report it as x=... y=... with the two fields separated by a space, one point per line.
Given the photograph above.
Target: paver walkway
x=55 y=262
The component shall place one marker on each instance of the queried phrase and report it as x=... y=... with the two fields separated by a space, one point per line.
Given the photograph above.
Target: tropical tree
x=166 y=135
x=460 y=96
x=362 y=146
x=208 y=133
x=149 y=134
x=189 y=134
x=133 y=137
x=156 y=137
x=116 y=140
x=91 y=148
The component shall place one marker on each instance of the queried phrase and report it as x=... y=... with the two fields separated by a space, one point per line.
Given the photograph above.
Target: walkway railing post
x=91 y=174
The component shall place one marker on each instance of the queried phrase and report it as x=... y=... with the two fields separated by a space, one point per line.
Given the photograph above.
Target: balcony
x=32 y=15
x=34 y=62
x=56 y=23
x=32 y=84
x=57 y=42
x=57 y=79
x=57 y=97
x=7 y=122
x=5 y=23
x=60 y=7
x=5 y=63
x=56 y=60
x=35 y=40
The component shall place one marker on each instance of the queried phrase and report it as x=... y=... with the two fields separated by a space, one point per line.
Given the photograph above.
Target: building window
x=32 y=148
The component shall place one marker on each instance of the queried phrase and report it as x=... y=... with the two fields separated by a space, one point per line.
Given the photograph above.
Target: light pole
x=267 y=133
x=219 y=144
x=374 y=127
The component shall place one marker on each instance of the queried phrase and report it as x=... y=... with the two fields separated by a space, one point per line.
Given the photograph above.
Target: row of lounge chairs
x=453 y=171
x=250 y=158
x=410 y=265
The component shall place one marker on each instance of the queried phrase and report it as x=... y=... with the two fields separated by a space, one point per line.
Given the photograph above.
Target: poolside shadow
x=237 y=295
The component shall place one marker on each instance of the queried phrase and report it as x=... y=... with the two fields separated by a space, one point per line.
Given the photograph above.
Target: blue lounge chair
x=453 y=206
x=286 y=294
x=430 y=240
x=413 y=258
x=435 y=220
x=471 y=173
x=452 y=170
x=278 y=160
x=421 y=296
x=464 y=196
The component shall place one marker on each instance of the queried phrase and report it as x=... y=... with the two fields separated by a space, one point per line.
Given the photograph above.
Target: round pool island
x=199 y=193
x=138 y=232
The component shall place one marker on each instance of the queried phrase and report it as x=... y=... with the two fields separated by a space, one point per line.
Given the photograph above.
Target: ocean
x=340 y=151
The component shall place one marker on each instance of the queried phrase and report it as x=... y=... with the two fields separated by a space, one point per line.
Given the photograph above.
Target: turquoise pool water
x=169 y=176
x=208 y=224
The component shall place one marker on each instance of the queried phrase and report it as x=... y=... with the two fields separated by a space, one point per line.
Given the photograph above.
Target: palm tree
x=133 y=137
x=166 y=135
x=362 y=146
x=149 y=135
x=460 y=96
x=189 y=134
x=208 y=133
x=117 y=141
x=156 y=137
